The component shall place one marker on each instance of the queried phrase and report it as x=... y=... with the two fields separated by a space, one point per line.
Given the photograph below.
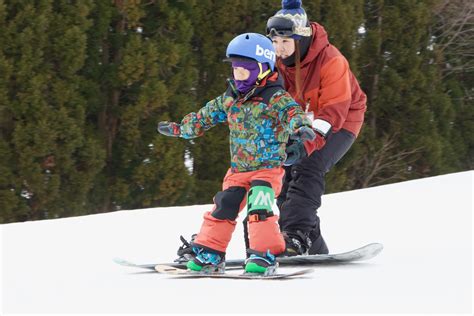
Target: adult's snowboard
x=179 y=272
x=361 y=254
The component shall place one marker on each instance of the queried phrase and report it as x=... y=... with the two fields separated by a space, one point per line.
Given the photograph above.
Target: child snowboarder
x=261 y=116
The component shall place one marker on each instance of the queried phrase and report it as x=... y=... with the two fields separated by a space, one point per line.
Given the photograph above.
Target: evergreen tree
x=452 y=45
x=407 y=108
x=141 y=62
x=83 y=84
x=51 y=161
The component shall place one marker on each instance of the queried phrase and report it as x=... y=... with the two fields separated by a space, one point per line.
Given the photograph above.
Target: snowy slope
x=66 y=265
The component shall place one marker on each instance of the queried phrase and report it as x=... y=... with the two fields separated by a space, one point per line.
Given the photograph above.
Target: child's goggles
x=280 y=26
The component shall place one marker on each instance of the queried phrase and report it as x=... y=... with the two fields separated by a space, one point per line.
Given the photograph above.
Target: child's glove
x=169 y=129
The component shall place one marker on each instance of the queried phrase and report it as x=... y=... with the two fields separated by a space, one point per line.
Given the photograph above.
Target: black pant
x=303 y=185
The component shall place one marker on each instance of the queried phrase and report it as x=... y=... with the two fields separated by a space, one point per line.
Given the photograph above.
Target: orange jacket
x=329 y=88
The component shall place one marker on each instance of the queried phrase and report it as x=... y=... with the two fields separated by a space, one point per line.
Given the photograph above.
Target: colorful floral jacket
x=259 y=123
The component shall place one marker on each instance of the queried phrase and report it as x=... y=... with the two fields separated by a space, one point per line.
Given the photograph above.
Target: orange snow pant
x=219 y=224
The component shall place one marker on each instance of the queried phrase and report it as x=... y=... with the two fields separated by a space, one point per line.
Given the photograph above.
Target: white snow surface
x=66 y=265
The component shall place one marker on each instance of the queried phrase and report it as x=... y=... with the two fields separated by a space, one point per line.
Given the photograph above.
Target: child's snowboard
x=178 y=272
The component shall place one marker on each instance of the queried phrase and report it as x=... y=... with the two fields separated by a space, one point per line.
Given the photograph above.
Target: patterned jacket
x=259 y=123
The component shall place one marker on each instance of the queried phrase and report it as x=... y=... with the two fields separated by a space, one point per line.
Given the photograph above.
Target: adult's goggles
x=280 y=26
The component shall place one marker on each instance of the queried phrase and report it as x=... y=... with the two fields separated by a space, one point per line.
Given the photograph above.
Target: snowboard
x=360 y=254
x=179 y=272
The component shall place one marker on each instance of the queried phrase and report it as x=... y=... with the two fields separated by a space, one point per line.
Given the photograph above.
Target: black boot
x=297 y=243
x=318 y=246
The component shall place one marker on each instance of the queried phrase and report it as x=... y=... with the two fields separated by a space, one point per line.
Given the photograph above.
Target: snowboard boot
x=297 y=243
x=318 y=246
x=206 y=262
x=260 y=263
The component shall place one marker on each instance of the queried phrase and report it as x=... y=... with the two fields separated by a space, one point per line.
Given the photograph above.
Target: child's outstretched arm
x=195 y=124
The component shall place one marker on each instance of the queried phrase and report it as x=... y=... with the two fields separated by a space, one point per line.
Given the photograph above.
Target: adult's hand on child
x=169 y=129
x=295 y=151
x=303 y=134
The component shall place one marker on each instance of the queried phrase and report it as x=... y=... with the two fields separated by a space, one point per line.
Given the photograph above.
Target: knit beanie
x=292 y=10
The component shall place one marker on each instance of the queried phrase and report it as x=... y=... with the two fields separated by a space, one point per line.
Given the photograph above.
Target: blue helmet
x=253 y=46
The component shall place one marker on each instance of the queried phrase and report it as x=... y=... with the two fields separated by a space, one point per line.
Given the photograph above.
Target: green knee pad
x=260 y=200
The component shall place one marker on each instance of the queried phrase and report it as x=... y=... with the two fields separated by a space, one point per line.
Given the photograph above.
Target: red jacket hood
x=318 y=43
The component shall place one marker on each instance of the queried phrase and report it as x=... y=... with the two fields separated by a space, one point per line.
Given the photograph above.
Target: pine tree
x=42 y=132
x=140 y=60
x=83 y=84
x=406 y=107
x=452 y=44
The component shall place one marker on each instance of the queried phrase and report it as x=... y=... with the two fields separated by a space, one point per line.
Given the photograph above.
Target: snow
x=66 y=265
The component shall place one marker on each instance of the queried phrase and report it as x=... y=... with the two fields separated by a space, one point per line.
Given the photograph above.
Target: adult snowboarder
x=318 y=76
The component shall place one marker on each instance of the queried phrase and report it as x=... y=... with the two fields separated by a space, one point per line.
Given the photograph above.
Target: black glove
x=169 y=129
x=295 y=149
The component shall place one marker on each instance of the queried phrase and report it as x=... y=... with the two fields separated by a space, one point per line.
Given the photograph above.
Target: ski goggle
x=280 y=26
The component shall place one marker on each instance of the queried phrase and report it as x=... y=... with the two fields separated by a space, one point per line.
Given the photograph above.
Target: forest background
x=83 y=84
